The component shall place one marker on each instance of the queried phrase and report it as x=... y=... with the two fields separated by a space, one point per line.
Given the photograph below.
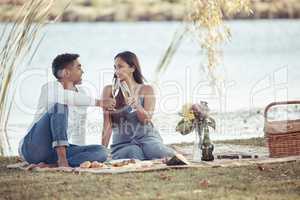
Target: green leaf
x=185 y=127
x=211 y=122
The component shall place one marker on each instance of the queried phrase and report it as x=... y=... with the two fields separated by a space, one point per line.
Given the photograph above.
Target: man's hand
x=107 y=104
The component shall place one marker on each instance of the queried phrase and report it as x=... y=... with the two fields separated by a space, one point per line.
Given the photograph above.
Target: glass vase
x=197 y=152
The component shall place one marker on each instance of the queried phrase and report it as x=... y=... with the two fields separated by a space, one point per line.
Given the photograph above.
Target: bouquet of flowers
x=196 y=117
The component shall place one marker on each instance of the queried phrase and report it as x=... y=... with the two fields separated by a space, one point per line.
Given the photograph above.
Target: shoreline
x=144 y=11
x=154 y=22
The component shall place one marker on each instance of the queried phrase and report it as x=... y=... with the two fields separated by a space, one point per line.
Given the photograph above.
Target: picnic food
x=86 y=164
x=123 y=163
x=96 y=164
x=146 y=164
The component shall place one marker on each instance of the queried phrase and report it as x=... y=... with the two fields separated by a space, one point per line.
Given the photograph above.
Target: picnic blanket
x=138 y=166
x=156 y=165
x=225 y=156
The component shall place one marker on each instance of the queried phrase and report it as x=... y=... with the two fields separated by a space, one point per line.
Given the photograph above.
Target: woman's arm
x=145 y=113
x=107 y=130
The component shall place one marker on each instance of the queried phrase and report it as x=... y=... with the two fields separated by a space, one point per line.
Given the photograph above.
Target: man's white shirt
x=77 y=102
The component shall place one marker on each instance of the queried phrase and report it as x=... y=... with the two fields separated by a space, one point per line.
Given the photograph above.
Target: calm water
x=261 y=64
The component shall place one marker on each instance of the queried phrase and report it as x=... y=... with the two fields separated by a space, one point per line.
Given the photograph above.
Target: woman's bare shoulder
x=107 y=87
x=146 y=89
x=107 y=90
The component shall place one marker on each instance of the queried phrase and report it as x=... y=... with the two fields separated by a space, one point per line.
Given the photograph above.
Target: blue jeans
x=50 y=132
x=148 y=148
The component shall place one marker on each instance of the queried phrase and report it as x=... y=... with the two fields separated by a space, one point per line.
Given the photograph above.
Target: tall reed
x=17 y=43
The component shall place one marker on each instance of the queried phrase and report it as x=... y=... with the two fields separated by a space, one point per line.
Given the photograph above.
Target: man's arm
x=57 y=94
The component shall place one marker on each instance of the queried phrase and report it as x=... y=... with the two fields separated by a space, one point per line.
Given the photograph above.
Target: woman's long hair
x=133 y=62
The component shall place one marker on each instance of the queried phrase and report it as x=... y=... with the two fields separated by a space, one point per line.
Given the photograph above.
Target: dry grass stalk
x=17 y=40
x=171 y=50
x=205 y=21
x=207 y=17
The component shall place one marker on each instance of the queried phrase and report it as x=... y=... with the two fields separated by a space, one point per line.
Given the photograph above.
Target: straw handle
x=277 y=103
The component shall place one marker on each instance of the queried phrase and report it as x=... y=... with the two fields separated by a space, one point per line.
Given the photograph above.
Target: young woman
x=133 y=133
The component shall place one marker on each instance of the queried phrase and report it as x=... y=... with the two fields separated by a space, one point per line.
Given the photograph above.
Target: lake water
x=260 y=65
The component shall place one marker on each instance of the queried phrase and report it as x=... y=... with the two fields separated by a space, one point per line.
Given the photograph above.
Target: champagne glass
x=127 y=94
x=115 y=88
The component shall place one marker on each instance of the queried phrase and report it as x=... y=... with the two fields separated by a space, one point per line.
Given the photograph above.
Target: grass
x=260 y=142
x=277 y=181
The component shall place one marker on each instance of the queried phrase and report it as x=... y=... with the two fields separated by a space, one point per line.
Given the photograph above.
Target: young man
x=54 y=123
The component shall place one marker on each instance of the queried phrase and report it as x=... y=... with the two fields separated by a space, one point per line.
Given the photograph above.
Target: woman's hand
x=133 y=102
x=107 y=103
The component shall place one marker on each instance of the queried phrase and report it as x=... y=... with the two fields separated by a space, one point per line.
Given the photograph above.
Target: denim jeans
x=51 y=131
x=147 y=148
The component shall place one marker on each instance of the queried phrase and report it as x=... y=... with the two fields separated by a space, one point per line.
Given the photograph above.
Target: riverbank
x=268 y=181
x=145 y=10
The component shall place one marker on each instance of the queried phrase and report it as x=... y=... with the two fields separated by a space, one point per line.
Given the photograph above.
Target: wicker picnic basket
x=283 y=137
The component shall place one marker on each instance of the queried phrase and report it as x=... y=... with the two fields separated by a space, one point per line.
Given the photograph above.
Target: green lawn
x=277 y=181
